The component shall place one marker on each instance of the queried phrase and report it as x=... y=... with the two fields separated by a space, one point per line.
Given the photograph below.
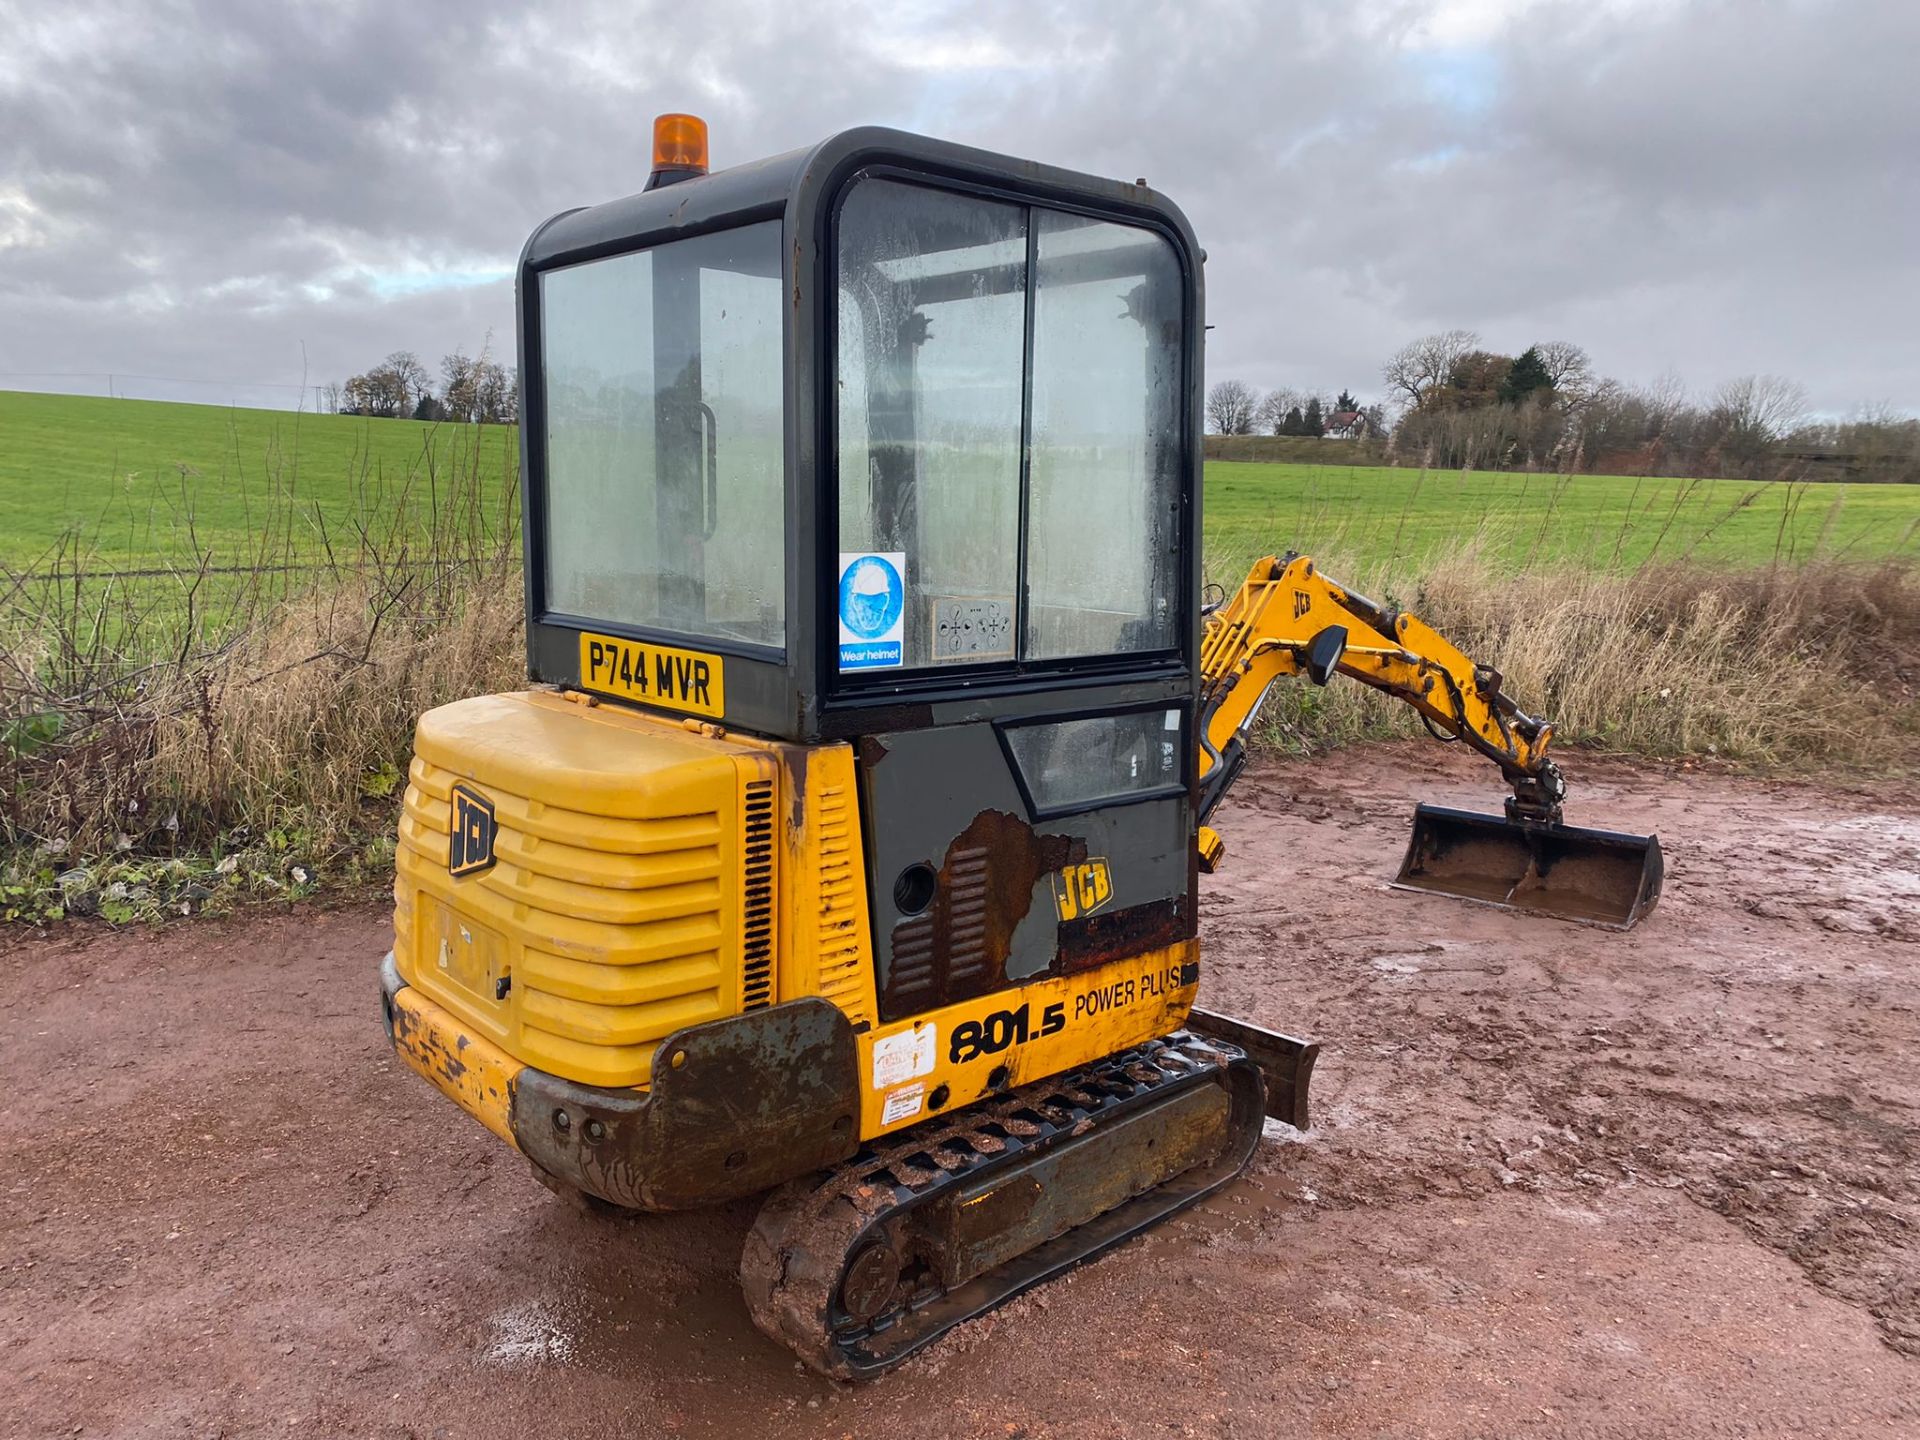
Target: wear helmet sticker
x=873 y=610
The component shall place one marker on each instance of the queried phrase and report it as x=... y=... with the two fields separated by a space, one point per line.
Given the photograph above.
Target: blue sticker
x=873 y=608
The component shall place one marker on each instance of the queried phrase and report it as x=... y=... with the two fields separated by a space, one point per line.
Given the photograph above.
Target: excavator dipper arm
x=1288 y=619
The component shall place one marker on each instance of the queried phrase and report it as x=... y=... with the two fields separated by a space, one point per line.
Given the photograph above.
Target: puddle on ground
x=1402 y=964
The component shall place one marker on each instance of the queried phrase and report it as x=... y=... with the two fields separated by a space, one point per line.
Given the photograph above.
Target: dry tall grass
x=1816 y=665
x=310 y=716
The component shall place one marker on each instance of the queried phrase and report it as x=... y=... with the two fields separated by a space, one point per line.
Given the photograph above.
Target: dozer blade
x=1596 y=877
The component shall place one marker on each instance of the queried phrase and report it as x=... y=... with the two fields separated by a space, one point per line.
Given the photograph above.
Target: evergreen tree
x=1314 y=422
x=1525 y=376
x=1294 y=424
x=1346 y=404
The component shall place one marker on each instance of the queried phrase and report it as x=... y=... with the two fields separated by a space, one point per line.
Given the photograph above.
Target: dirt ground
x=1561 y=1181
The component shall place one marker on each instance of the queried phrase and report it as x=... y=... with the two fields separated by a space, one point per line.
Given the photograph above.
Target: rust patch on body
x=1118 y=934
x=958 y=946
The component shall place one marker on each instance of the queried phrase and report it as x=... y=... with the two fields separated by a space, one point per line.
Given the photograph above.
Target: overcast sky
x=247 y=193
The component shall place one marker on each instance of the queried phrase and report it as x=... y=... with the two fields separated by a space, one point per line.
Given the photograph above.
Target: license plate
x=653 y=674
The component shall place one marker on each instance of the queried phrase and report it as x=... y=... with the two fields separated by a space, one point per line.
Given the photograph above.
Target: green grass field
x=1610 y=522
x=145 y=484
x=141 y=483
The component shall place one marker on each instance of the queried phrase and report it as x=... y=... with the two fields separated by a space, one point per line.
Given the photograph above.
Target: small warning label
x=902 y=1104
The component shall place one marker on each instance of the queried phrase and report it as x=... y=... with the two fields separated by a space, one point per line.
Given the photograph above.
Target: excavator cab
x=844 y=843
x=894 y=447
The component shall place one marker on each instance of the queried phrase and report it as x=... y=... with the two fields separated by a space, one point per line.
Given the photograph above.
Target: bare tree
x=1765 y=406
x=460 y=381
x=496 y=393
x=415 y=383
x=1665 y=398
x=1753 y=414
x=1569 y=368
x=1598 y=390
x=482 y=390
x=1273 y=410
x=1231 y=407
x=1668 y=392
x=1419 y=367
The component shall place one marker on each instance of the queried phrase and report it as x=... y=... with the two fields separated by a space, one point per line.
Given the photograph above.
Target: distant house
x=1346 y=425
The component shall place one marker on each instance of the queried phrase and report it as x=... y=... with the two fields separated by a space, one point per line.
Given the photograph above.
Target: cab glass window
x=664 y=444
x=1069 y=765
x=931 y=334
x=1008 y=419
x=1103 y=537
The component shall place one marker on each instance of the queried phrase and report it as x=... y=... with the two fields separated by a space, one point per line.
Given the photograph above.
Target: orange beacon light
x=679 y=149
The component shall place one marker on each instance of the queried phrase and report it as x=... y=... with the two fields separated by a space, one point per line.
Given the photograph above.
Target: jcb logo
x=470 y=847
x=1302 y=602
x=1082 y=889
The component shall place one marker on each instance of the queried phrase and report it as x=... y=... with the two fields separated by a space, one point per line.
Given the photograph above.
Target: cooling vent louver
x=756 y=909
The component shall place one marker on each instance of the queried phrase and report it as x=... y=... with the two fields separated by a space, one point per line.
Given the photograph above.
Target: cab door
x=1012 y=599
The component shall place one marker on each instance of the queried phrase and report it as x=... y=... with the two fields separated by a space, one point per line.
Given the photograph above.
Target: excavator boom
x=1288 y=618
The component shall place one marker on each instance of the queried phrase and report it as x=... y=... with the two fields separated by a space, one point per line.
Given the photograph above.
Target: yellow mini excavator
x=846 y=844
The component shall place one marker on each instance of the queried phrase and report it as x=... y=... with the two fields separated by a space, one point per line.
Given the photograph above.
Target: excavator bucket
x=1596 y=877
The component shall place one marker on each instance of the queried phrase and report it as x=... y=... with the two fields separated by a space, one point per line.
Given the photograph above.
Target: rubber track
x=806 y=1232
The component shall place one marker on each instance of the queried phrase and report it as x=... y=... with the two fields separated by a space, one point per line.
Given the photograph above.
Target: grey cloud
x=1715 y=186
